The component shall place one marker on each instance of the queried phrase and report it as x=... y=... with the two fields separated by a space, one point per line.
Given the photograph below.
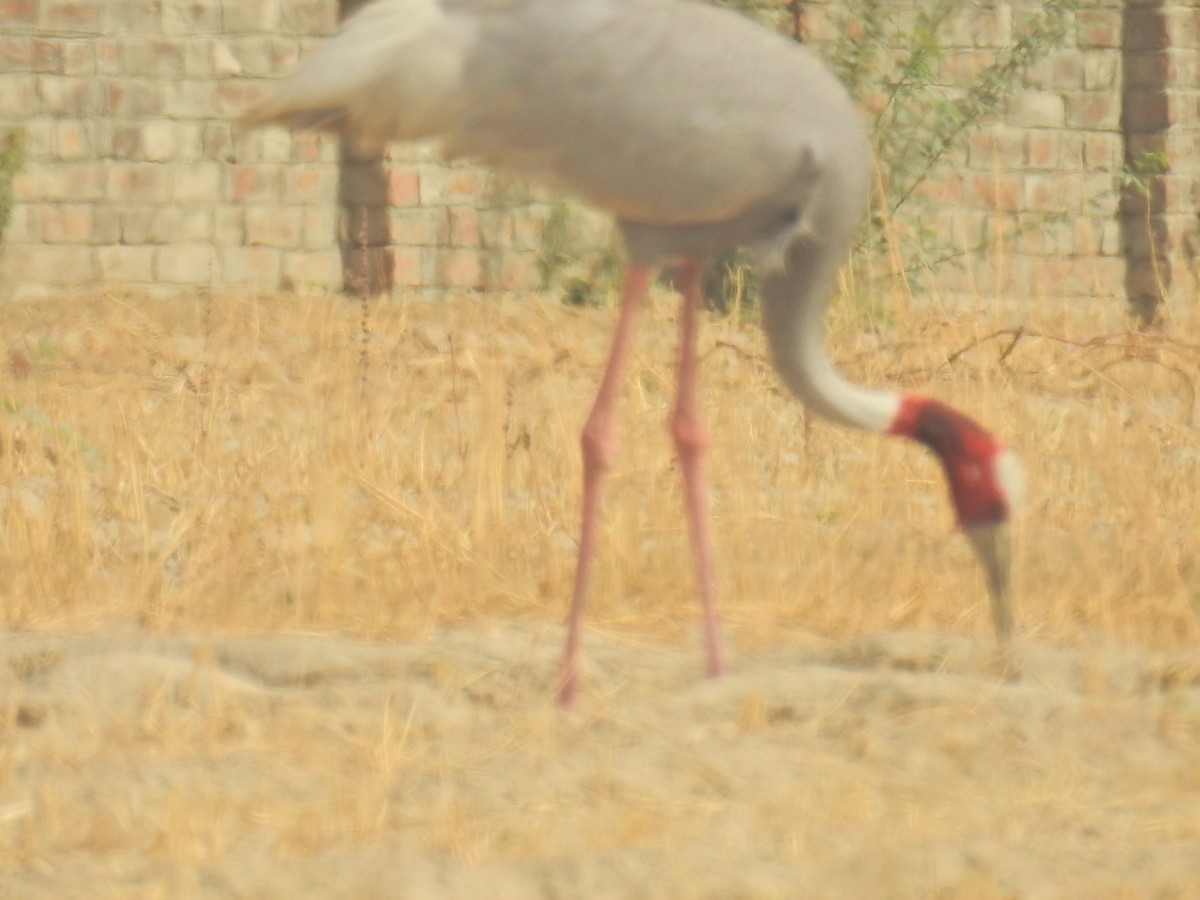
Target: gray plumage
x=661 y=112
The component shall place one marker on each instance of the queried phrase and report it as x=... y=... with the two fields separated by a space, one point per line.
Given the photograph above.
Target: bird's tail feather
x=392 y=71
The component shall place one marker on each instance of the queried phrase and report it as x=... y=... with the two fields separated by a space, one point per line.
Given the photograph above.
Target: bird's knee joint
x=598 y=446
x=690 y=436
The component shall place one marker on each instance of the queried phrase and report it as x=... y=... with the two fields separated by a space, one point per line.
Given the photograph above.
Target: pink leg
x=599 y=445
x=691 y=446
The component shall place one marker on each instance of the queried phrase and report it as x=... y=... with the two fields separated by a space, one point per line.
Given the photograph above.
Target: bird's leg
x=691 y=445
x=599 y=445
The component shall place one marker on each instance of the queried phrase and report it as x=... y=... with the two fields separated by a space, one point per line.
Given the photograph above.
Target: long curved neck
x=984 y=478
x=795 y=294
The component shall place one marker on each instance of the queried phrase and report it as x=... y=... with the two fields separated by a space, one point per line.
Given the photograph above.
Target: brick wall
x=136 y=177
x=1027 y=207
x=410 y=222
x=1161 y=118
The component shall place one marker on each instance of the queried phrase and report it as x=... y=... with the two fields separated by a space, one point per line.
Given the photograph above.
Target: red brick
x=963 y=65
x=407 y=269
x=308 y=184
x=1067 y=69
x=1042 y=150
x=130 y=97
x=1101 y=152
x=999 y=145
x=71 y=141
x=57 y=15
x=458 y=268
x=107 y=52
x=1092 y=109
x=138 y=182
x=67 y=97
x=282 y=54
x=1000 y=192
x=234 y=97
x=404 y=187
x=441 y=186
x=254 y=183
x=943 y=190
x=464 y=226
x=65 y=223
x=16 y=54
x=1047 y=193
x=47 y=55
x=273 y=227
x=1098 y=28
x=17 y=12
x=1066 y=276
x=310 y=146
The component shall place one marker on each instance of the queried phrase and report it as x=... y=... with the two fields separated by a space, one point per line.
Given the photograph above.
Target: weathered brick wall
x=1027 y=207
x=135 y=175
x=126 y=108
x=1182 y=153
x=411 y=222
x=1161 y=103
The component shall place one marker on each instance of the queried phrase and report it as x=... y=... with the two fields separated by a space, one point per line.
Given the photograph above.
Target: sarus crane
x=699 y=131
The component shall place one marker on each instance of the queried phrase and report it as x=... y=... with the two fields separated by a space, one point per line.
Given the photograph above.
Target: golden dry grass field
x=282 y=583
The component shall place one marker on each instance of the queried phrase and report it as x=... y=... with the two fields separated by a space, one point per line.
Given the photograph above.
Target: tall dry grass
x=261 y=463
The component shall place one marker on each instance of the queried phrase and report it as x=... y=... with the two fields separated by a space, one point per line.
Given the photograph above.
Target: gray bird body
x=696 y=128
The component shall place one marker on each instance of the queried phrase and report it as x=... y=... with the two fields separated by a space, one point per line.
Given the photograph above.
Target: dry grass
x=246 y=464
x=177 y=477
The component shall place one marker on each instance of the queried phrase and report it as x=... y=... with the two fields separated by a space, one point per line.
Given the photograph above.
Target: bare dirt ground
x=897 y=765
x=281 y=583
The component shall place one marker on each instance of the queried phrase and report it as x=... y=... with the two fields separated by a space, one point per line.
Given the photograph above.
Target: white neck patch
x=1010 y=475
